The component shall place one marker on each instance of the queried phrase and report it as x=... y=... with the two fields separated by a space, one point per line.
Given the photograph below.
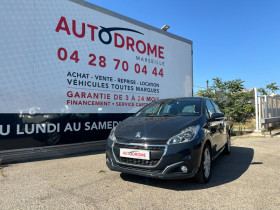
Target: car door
x=213 y=128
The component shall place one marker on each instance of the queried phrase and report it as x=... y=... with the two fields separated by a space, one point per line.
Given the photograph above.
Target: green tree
x=232 y=100
x=270 y=88
x=262 y=91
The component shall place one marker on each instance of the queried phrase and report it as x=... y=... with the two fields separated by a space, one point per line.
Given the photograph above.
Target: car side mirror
x=217 y=116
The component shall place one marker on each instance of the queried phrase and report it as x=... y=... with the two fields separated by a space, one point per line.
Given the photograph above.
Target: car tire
x=227 y=148
x=204 y=172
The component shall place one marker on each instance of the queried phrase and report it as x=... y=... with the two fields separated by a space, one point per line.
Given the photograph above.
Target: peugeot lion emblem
x=138 y=135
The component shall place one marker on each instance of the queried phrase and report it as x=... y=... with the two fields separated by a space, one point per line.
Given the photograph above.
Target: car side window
x=216 y=108
x=210 y=108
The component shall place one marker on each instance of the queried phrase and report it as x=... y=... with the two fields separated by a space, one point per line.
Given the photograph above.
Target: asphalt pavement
x=249 y=178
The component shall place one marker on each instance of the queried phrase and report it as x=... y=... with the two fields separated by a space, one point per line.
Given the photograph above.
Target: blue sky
x=232 y=39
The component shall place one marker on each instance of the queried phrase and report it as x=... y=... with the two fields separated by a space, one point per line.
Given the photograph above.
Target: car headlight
x=186 y=135
x=112 y=134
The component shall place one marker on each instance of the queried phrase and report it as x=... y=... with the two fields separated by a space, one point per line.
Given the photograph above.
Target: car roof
x=177 y=98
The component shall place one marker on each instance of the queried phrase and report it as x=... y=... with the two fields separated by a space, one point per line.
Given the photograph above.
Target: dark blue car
x=170 y=138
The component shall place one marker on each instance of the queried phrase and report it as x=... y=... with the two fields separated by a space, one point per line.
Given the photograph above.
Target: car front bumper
x=169 y=165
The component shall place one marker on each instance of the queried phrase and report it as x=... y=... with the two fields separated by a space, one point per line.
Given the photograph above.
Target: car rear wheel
x=204 y=172
x=227 y=148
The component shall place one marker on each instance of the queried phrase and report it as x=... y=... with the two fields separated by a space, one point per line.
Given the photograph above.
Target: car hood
x=153 y=128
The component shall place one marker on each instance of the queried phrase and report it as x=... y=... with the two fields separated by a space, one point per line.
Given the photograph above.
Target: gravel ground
x=247 y=179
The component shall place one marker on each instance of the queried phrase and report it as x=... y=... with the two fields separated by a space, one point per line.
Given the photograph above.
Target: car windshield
x=172 y=107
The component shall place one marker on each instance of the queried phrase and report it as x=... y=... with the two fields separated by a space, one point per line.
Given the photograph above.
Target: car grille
x=148 y=147
x=156 y=152
x=148 y=170
x=137 y=161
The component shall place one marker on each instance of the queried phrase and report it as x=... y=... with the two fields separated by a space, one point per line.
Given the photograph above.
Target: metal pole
x=276 y=108
x=260 y=112
x=256 y=110
x=265 y=107
x=265 y=110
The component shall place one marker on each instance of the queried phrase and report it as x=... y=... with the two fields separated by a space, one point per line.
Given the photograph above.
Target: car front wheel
x=204 y=172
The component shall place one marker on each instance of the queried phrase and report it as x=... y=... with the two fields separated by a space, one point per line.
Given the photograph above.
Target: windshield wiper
x=167 y=115
x=151 y=115
x=160 y=115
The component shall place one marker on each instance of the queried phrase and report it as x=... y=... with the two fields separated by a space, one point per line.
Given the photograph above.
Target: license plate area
x=135 y=153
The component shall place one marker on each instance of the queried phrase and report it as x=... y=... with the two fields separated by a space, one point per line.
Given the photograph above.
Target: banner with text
x=63 y=57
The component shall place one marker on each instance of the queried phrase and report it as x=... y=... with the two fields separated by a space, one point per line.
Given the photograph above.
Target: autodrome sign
x=75 y=59
x=71 y=71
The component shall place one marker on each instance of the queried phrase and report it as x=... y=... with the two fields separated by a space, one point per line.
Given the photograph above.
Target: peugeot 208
x=170 y=138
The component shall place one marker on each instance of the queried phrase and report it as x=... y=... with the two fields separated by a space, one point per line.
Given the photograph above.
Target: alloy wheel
x=207 y=162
